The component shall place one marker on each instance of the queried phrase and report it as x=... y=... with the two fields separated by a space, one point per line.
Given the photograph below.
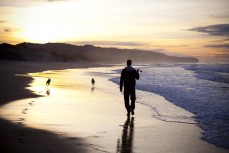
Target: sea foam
x=202 y=90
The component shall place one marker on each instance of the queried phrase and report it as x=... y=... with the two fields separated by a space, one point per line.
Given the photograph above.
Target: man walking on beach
x=128 y=76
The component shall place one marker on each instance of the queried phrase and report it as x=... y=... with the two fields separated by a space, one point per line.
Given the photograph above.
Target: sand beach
x=72 y=116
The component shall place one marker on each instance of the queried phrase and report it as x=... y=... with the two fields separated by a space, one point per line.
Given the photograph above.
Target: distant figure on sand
x=48 y=82
x=128 y=78
x=92 y=82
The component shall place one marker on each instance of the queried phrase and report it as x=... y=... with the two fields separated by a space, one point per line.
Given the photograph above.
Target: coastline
x=110 y=130
x=17 y=138
x=13 y=83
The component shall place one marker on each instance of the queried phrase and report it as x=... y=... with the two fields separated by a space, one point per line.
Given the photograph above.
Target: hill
x=72 y=53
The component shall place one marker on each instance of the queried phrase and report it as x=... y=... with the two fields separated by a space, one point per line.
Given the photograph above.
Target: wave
x=202 y=90
x=217 y=72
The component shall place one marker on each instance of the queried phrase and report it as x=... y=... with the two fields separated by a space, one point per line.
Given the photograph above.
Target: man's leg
x=133 y=98
x=126 y=99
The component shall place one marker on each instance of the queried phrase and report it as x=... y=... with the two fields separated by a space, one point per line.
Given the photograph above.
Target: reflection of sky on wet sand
x=70 y=104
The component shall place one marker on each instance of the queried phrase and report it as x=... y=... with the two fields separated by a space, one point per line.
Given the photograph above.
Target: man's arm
x=121 y=81
x=137 y=75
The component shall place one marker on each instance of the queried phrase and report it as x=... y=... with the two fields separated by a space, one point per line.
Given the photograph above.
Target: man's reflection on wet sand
x=125 y=145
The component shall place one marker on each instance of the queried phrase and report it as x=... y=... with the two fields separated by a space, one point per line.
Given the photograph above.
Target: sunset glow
x=176 y=27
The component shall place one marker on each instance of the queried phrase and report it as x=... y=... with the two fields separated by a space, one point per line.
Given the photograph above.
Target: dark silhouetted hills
x=72 y=53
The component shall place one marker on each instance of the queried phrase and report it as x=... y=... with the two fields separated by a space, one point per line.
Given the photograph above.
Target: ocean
x=200 y=89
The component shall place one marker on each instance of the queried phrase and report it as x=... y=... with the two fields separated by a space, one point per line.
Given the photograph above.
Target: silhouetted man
x=128 y=77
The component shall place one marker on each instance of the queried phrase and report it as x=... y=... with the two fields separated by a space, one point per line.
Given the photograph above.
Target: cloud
x=52 y=1
x=110 y=43
x=218 y=46
x=213 y=30
x=55 y=0
x=24 y=3
x=116 y=43
x=221 y=56
x=7 y=30
x=225 y=56
x=222 y=16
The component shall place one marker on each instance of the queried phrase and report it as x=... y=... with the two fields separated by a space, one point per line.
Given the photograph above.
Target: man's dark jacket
x=128 y=77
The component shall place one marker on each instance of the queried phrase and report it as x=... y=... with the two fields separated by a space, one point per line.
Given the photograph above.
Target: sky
x=196 y=28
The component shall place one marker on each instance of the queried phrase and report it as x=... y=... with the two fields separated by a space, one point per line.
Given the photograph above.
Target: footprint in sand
x=24 y=111
x=21 y=123
x=31 y=103
x=21 y=119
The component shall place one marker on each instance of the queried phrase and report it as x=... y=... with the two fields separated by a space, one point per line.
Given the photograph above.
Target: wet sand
x=14 y=137
x=83 y=118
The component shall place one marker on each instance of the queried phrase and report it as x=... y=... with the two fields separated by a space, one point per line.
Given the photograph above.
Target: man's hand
x=138 y=70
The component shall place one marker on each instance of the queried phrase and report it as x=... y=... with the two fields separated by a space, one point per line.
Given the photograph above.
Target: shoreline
x=147 y=133
x=17 y=138
x=17 y=84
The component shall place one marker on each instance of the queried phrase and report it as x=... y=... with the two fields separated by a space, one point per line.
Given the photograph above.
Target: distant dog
x=48 y=82
x=93 y=81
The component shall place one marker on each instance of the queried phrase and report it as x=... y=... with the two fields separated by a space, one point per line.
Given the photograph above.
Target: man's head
x=129 y=62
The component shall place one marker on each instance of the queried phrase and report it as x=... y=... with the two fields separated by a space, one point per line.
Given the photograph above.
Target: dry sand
x=101 y=124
